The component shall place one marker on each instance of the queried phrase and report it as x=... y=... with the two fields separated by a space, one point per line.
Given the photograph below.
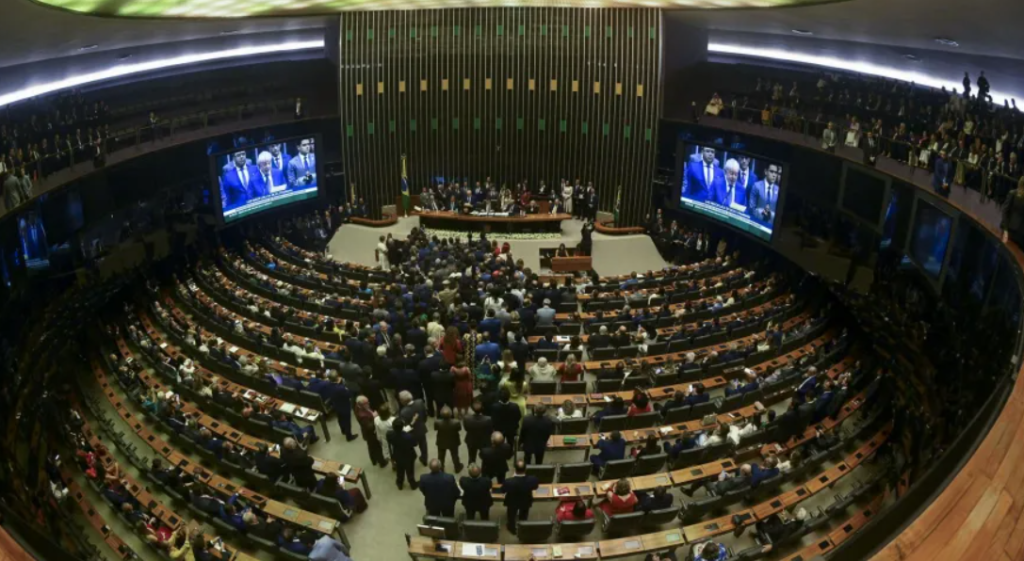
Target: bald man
x=440 y=492
x=476 y=494
x=365 y=418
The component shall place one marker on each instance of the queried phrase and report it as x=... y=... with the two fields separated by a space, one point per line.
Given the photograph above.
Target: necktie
x=266 y=180
x=305 y=162
x=245 y=177
x=771 y=199
x=277 y=162
x=707 y=174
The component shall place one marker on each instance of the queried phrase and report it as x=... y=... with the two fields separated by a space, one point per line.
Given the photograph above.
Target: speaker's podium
x=574 y=261
x=431 y=544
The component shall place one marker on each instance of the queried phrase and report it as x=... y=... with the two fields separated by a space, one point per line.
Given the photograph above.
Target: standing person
x=451 y=345
x=448 y=438
x=567 y=192
x=403 y=452
x=518 y=491
x=463 y=395
x=414 y=415
x=537 y=430
x=479 y=428
x=829 y=138
x=338 y=397
x=366 y=418
x=476 y=494
x=506 y=416
x=495 y=458
x=440 y=492
x=383 y=422
x=592 y=202
x=382 y=254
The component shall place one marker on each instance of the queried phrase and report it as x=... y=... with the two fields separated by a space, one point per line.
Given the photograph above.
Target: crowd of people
x=969 y=140
x=573 y=198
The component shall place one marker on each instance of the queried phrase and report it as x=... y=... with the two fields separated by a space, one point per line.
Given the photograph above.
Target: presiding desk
x=487 y=223
x=570 y=264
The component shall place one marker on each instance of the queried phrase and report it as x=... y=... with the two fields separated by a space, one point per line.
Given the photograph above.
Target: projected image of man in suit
x=269 y=180
x=701 y=176
x=302 y=168
x=279 y=158
x=729 y=192
x=764 y=197
x=235 y=181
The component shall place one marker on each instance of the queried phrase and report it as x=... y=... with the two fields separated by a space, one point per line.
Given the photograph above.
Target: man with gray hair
x=414 y=413
x=269 y=180
x=729 y=192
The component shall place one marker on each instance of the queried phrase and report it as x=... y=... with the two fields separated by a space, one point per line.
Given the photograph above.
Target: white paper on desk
x=608 y=398
x=233 y=350
x=666 y=430
x=288 y=408
x=470 y=550
x=163 y=345
x=346 y=469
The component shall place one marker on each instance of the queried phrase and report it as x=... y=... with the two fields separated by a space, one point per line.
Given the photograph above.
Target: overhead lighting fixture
x=127 y=69
x=860 y=67
x=88 y=48
x=946 y=41
x=230 y=31
x=804 y=32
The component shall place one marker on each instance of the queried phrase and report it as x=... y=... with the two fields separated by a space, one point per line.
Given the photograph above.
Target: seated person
x=301 y=544
x=619 y=499
x=572 y=510
x=332 y=487
x=611 y=448
x=685 y=442
x=659 y=499
x=709 y=551
x=306 y=435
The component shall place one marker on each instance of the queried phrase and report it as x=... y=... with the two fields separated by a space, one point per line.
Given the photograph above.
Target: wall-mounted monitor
x=864 y=194
x=929 y=238
x=254 y=179
x=738 y=189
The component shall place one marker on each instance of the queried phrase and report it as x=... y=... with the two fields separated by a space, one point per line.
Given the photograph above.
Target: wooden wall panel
x=510 y=93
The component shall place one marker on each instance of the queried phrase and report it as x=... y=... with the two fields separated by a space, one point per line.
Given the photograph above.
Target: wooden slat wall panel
x=508 y=133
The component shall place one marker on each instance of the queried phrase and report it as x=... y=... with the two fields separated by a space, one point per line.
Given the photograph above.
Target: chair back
x=617 y=469
x=573 y=529
x=534 y=531
x=480 y=531
x=650 y=463
x=613 y=422
x=574 y=473
x=544 y=473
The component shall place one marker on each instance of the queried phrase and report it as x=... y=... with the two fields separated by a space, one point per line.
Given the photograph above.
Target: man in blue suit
x=728 y=192
x=269 y=180
x=235 y=183
x=701 y=176
x=278 y=157
x=763 y=199
x=302 y=168
x=943 y=176
x=747 y=176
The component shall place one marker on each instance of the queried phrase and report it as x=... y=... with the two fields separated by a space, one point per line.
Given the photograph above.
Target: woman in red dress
x=451 y=345
x=619 y=500
x=463 y=387
x=570 y=370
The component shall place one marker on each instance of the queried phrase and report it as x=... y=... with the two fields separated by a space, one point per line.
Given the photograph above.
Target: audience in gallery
x=982 y=139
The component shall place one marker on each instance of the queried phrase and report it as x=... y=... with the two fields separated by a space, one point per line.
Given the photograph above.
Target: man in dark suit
x=537 y=429
x=518 y=491
x=298 y=464
x=269 y=180
x=701 y=176
x=506 y=417
x=764 y=196
x=611 y=448
x=943 y=177
x=476 y=494
x=747 y=177
x=479 y=428
x=414 y=413
x=403 y=453
x=601 y=340
x=235 y=182
x=448 y=438
x=430 y=364
x=271 y=466
x=278 y=157
x=440 y=492
x=443 y=383
x=495 y=457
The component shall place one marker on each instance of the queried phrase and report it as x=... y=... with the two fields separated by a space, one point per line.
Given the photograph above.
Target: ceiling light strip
x=861 y=67
x=127 y=69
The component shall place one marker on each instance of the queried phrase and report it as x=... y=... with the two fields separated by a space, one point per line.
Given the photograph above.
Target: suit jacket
x=476 y=492
x=494 y=460
x=439 y=491
x=447 y=434
x=751 y=180
x=258 y=186
x=722 y=194
x=758 y=199
x=506 y=418
x=233 y=192
x=518 y=490
x=695 y=185
x=270 y=466
x=478 y=430
x=298 y=463
x=536 y=432
x=297 y=171
x=943 y=174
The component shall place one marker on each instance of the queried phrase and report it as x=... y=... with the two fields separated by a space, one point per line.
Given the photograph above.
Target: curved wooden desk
x=445 y=220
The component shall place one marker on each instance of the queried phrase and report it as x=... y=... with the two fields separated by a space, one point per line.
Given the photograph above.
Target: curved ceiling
x=232 y=9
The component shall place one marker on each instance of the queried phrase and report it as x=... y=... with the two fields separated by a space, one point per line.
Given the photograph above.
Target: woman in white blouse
x=382 y=421
x=568 y=411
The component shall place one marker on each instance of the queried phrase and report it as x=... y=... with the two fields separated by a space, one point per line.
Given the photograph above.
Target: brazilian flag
x=405 y=187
